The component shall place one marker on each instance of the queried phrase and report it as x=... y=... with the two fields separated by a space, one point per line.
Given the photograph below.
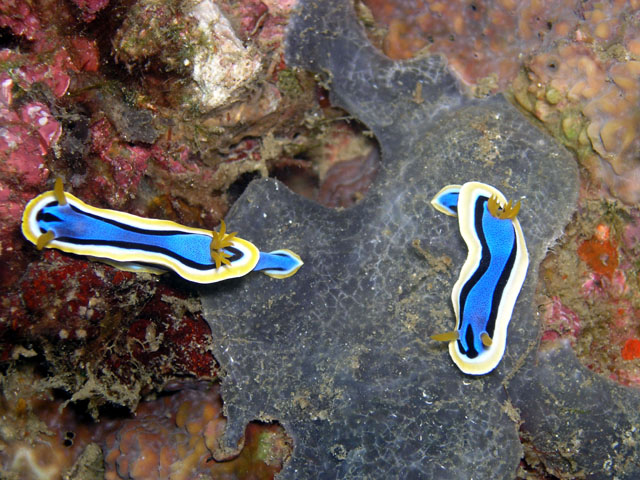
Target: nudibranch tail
x=279 y=263
x=491 y=278
x=446 y=200
x=57 y=219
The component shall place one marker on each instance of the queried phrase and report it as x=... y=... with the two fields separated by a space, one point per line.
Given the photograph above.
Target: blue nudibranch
x=491 y=277
x=57 y=219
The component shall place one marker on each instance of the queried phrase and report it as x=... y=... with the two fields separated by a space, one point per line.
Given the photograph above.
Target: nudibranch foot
x=491 y=278
x=57 y=219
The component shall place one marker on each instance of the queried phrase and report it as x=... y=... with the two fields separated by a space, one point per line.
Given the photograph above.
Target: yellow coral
x=219 y=241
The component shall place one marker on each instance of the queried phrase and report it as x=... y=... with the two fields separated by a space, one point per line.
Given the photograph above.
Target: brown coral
x=175 y=436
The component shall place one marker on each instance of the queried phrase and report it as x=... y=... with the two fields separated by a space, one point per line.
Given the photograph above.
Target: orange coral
x=483 y=40
x=177 y=437
x=600 y=255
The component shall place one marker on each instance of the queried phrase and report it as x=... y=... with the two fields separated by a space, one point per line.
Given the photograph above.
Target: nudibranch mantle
x=491 y=278
x=139 y=244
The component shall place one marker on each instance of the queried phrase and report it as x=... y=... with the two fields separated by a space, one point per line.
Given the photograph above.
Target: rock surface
x=339 y=353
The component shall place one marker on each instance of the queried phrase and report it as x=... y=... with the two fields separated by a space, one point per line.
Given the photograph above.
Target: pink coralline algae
x=84 y=54
x=125 y=164
x=19 y=17
x=90 y=8
x=52 y=68
x=23 y=145
x=26 y=134
x=561 y=322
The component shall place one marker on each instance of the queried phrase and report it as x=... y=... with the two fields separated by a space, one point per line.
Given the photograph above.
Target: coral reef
x=107 y=335
x=162 y=109
x=130 y=122
x=484 y=41
x=590 y=290
x=174 y=436
x=169 y=109
x=573 y=65
x=344 y=340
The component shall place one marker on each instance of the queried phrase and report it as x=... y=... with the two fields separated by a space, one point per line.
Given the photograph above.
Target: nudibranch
x=490 y=279
x=57 y=219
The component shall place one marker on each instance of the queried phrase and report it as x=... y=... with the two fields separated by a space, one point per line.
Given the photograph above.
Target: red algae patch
x=631 y=349
x=601 y=255
x=105 y=335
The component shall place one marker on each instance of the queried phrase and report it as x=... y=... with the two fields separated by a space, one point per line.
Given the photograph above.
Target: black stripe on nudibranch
x=502 y=283
x=485 y=260
x=47 y=217
x=496 y=298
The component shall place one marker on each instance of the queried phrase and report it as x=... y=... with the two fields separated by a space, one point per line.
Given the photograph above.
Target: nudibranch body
x=491 y=277
x=57 y=219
